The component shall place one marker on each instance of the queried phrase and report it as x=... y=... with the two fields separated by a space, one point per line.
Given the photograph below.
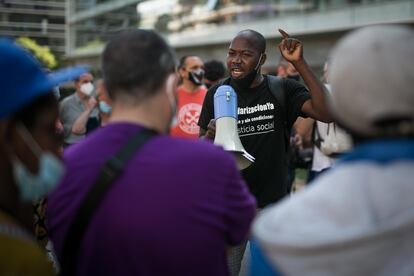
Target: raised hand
x=290 y=48
x=91 y=103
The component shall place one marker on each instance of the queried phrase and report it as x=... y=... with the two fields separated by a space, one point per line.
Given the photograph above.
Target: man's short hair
x=214 y=70
x=256 y=38
x=136 y=62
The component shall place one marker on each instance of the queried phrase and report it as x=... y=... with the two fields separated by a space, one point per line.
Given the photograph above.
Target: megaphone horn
x=225 y=113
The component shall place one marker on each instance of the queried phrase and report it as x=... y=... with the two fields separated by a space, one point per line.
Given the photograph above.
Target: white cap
x=372 y=78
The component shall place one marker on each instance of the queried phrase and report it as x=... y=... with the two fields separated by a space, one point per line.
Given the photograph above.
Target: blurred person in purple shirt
x=177 y=205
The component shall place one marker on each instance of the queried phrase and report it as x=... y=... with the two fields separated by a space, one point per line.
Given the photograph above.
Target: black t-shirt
x=261 y=132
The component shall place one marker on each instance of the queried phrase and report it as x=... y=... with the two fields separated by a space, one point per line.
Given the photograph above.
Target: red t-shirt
x=188 y=111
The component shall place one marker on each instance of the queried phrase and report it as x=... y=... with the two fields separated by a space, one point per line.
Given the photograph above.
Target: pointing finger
x=283 y=33
x=281 y=46
x=289 y=45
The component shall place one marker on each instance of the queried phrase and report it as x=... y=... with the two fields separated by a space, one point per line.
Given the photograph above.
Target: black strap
x=277 y=89
x=111 y=169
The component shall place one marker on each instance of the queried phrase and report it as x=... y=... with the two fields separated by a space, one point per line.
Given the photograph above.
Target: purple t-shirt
x=173 y=210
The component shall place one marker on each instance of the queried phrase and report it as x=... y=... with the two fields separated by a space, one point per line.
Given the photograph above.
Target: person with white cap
x=29 y=154
x=358 y=218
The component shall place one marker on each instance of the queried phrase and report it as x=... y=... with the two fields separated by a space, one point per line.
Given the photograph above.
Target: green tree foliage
x=42 y=53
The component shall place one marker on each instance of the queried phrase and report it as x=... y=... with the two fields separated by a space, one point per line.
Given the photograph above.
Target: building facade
x=205 y=28
x=43 y=21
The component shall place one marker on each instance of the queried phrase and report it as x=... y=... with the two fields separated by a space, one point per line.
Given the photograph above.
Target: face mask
x=246 y=82
x=105 y=107
x=87 y=88
x=196 y=77
x=33 y=187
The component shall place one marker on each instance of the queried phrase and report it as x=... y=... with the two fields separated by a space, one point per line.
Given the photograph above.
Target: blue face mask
x=35 y=186
x=104 y=107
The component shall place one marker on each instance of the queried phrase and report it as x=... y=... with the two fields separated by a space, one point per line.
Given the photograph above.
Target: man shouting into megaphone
x=267 y=108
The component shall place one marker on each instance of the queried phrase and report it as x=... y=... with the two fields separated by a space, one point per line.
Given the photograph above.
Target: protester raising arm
x=292 y=50
x=79 y=126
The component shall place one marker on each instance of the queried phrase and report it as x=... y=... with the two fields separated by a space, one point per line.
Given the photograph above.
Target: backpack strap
x=278 y=91
x=110 y=171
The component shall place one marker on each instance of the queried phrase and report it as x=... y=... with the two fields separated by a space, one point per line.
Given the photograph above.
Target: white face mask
x=35 y=186
x=87 y=88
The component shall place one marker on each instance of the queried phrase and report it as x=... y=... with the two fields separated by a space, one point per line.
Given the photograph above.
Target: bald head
x=256 y=39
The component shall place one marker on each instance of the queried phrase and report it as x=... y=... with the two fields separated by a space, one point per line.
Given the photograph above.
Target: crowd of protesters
x=122 y=177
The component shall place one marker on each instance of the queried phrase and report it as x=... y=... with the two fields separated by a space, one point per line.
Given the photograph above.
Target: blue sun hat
x=22 y=78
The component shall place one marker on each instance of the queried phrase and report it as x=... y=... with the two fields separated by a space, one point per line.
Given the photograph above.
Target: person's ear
x=18 y=147
x=263 y=60
x=182 y=72
x=171 y=84
x=77 y=84
x=11 y=136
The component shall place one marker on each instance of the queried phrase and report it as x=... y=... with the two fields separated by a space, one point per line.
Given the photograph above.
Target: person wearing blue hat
x=29 y=154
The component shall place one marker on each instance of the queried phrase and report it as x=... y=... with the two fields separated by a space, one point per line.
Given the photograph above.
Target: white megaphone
x=225 y=113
